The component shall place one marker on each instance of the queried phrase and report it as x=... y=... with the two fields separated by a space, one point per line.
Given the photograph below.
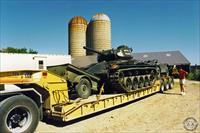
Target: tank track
x=128 y=80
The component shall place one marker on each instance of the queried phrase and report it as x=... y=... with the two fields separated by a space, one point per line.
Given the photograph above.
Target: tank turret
x=120 y=53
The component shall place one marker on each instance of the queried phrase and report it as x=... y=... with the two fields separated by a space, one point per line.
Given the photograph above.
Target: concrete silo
x=88 y=39
x=100 y=32
x=77 y=36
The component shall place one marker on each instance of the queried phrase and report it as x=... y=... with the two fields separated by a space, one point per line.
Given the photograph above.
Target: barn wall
x=10 y=62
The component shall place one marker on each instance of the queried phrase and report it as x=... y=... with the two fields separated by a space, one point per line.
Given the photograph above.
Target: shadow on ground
x=170 y=93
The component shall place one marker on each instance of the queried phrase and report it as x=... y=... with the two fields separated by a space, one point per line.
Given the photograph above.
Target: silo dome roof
x=100 y=16
x=78 y=20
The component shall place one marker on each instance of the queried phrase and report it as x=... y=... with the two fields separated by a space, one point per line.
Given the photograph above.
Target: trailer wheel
x=166 y=85
x=18 y=114
x=83 y=88
x=171 y=83
x=162 y=87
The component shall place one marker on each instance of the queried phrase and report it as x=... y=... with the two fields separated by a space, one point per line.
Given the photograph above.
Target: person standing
x=182 y=76
x=175 y=72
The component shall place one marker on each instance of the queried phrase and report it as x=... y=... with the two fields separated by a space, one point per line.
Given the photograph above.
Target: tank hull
x=125 y=76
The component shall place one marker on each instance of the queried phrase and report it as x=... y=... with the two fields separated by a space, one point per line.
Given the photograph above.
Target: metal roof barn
x=166 y=57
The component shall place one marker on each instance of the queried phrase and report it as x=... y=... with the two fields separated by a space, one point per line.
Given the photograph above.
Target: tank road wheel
x=146 y=82
x=83 y=88
x=18 y=114
x=121 y=77
x=141 y=82
x=152 y=79
x=128 y=84
x=135 y=84
x=171 y=83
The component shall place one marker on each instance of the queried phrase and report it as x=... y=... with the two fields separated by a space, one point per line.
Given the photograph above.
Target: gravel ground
x=159 y=112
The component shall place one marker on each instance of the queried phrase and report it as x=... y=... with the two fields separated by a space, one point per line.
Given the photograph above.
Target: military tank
x=120 y=72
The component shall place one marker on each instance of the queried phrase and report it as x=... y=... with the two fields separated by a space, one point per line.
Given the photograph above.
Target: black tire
x=162 y=87
x=166 y=85
x=18 y=113
x=83 y=88
x=171 y=83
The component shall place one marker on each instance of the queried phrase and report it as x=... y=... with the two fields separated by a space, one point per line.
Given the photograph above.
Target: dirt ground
x=159 y=112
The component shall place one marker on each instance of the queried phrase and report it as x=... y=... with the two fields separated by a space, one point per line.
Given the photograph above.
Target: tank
x=77 y=36
x=120 y=72
x=100 y=32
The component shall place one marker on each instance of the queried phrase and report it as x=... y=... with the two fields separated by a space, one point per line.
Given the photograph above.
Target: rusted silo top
x=100 y=16
x=78 y=20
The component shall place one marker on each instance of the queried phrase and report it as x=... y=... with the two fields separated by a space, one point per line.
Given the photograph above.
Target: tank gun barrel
x=92 y=50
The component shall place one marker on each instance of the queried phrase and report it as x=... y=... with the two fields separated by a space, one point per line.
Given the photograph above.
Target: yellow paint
x=75 y=110
x=58 y=100
x=55 y=85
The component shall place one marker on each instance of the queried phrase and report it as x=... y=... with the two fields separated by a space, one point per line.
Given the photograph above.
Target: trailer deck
x=83 y=107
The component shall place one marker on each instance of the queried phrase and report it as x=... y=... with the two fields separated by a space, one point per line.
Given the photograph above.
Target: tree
x=31 y=51
x=18 y=50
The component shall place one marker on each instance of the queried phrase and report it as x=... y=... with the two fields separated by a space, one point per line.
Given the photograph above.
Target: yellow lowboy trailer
x=26 y=96
x=91 y=105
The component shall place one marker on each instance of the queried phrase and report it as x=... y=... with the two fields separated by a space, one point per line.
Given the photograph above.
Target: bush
x=194 y=75
x=190 y=76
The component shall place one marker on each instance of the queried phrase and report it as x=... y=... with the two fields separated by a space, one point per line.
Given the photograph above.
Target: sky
x=144 y=25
